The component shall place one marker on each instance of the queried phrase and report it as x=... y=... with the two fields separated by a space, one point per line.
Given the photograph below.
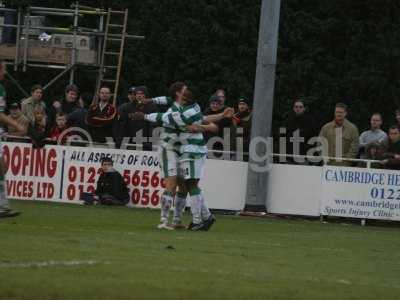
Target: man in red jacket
x=101 y=116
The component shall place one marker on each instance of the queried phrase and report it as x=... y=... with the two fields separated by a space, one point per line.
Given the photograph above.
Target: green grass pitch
x=61 y=251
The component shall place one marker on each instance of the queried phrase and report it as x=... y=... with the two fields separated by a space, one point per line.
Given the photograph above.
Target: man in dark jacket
x=128 y=127
x=217 y=107
x=78 y=117
x=111 y=187
x=301 y=125
x=392 y=154
x=241 y=126
x=123 y=108
x=67 y=105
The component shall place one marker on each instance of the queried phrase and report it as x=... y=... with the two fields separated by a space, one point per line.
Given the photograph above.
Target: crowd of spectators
x=54 y=122
x=75 y=113
x=343 y=139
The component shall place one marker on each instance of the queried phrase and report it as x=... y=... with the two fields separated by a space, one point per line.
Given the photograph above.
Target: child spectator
x=58 y=131
x=38 y=130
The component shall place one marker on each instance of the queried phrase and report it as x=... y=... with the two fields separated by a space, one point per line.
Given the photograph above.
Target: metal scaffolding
x=21 y=59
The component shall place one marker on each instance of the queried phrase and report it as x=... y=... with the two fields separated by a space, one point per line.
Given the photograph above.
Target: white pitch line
x=51 y=263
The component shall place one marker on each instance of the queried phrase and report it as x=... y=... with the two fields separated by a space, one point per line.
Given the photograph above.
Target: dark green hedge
x=329 y=51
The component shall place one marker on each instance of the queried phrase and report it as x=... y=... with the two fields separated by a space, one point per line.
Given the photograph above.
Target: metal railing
x=326 y=159
x=155 y=146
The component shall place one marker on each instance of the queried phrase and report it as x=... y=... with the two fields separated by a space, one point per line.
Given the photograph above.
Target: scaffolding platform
x=39 y=52
x=33 y=44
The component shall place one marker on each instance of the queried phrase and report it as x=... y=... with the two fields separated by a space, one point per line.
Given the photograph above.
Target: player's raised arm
x=200 y=128
x=164 y=119
x=226 y=114
x=154 y=117
x=163 y=100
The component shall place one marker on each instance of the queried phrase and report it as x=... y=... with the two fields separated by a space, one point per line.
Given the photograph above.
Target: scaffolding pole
x=18 y=41
x=66 y=10
x=85 y=33
x=15 y=82
x=26 y=35
x=56 y=78
x=73 y=52
x=22 y=58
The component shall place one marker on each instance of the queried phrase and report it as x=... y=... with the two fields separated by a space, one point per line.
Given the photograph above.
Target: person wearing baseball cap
x=131 y=98
x=127 y=127
x=242 y=119
x=244 y=105
x=131 y=94
x=17 y=115
x=131 y=90
x=243 y=111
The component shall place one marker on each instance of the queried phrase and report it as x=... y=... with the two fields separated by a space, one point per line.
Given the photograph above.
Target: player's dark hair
x=188 y=96
x=176 y=87
x=394 y=127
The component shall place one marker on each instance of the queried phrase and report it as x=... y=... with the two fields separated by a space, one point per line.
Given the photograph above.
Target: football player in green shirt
x=5 y=210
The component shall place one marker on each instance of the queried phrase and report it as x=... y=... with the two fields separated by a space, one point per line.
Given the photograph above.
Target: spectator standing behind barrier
x=375 y=151
x=222 y=95
x=300 y=128
x=38 y=130
x=397 y=116
x=241 y=126
x=17 y=115
x=128 y=127
x=58 y=131
x=392 y=154
x=217 y=107
x=373 y=136
x=349 y=136
x=35 y=100
x=78 y=117
x=111 y=188
x=66 y=105
x=101 y=116
x=123 y=108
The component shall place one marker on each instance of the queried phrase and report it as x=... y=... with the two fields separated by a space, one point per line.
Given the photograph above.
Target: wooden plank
x=48 y=54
